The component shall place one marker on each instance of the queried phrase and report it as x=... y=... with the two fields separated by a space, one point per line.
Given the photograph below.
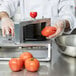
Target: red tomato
x=32 y=64
x=16 y=64
x=48 y=30
x=33 y=14
x=26 y=55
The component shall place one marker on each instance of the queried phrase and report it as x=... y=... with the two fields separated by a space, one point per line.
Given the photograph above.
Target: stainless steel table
x=60 y=65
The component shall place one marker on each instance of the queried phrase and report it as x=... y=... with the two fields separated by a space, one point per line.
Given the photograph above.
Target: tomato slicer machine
x=27 y=38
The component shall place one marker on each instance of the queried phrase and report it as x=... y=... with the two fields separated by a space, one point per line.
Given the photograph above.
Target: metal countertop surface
x=60 y=65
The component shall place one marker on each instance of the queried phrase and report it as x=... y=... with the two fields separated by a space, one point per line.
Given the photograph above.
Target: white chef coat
x=63 y=9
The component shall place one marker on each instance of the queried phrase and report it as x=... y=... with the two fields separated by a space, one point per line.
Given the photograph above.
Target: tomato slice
x=48 y=30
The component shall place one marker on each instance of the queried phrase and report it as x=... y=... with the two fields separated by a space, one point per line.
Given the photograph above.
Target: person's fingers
x=12 y=29
x=6 y=30
x=55 y=35
x=6 y=25
x=3 y=32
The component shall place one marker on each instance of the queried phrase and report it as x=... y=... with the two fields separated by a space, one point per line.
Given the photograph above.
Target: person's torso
x=44 y=8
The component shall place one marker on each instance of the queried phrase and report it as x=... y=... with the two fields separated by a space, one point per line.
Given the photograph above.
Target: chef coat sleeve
x=9 y=6
x=66 y=10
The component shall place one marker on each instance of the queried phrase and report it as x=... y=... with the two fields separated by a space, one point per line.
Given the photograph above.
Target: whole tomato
x=33 y=14
x=26 y=55
x=32 y=64
x=48 y=30
x=16 y=64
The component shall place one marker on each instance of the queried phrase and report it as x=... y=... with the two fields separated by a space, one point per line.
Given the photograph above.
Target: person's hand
x=7 y=27
x=60 y=26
